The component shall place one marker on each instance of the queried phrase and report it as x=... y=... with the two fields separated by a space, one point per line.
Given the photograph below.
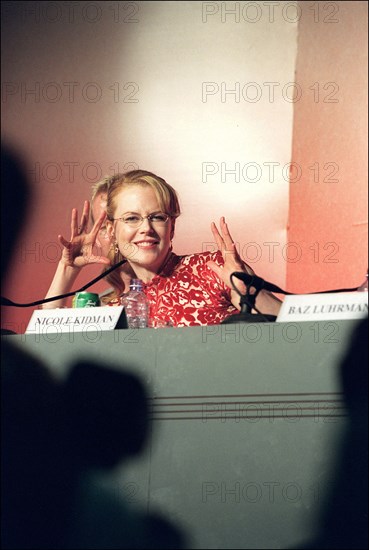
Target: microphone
x=261 y=284
x=258 y=283
x=6 y=302
x=247 y=301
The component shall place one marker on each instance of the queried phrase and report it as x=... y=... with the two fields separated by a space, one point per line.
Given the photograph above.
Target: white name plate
x=47 y=321
x=324 y=307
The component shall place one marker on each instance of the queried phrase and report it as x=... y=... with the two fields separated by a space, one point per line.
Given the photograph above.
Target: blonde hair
x=166 y=195
x=167 y=198
x=98 y=188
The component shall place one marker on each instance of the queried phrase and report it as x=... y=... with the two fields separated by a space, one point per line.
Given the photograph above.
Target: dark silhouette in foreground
x=344 y=519
x=59 y=437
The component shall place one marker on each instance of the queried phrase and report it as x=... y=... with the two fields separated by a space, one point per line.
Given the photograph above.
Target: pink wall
x=328 y=214
x=162 y=121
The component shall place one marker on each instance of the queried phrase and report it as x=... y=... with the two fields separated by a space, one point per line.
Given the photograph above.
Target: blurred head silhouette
x=15 y=196
x=344 y=516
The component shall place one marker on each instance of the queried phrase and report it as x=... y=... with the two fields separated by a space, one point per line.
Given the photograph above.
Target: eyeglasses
x=135 y=220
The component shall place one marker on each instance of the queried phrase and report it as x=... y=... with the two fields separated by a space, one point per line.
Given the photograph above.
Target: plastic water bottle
x=136 y=305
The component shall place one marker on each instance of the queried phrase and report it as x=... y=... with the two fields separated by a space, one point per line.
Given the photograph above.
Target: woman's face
x=148 y=244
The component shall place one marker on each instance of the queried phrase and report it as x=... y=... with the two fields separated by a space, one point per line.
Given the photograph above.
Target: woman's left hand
x=265 y=301
x=232 y=260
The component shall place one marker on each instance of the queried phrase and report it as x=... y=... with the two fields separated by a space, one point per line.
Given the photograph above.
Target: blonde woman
x=139 y=222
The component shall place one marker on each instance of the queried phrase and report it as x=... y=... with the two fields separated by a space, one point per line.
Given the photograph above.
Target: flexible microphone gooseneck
x=6 y=302
x=261 y=284
x=247 y=301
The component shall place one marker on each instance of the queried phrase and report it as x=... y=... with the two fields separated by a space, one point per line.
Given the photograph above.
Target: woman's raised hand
x=265 y=301
x=232 y=260
x=81 y=249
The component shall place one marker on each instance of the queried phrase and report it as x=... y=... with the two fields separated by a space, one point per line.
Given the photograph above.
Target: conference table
x=247 y=423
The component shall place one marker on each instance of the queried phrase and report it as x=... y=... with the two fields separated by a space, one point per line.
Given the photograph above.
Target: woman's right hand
x=79 y=250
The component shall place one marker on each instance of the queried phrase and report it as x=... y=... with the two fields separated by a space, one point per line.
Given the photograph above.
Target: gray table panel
x=247 y=423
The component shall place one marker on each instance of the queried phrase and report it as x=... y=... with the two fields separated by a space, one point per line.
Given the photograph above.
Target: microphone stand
x=247 y=303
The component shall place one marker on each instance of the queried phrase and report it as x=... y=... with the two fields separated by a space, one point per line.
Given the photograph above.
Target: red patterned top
x=188 y=293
